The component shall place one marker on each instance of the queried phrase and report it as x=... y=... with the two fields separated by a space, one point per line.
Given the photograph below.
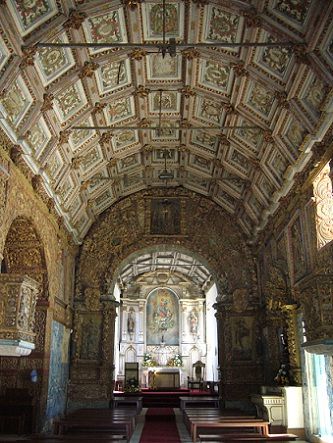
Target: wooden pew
x=231 y=424
x=191 y=414
x=188 y=421
x=86 y=438
x=84 y=421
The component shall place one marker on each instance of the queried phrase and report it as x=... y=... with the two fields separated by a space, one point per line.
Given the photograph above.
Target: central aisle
x=160 y=426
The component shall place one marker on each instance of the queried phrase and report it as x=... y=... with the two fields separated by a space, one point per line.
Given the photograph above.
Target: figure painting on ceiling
x=165 y=216
x=162 y=317
x=242 y=338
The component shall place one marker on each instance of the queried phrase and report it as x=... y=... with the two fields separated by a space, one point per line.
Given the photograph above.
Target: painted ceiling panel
x=234 y=122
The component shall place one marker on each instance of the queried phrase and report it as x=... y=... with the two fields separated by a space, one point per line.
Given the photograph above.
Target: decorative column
x=220 y=320
x=183 y=321
x=140 y=332
x=290 y=311
x=109 y=313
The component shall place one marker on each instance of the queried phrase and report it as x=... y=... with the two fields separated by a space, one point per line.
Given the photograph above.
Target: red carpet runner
x=160 y=426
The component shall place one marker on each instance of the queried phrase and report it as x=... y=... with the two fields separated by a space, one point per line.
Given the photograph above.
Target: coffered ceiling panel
x=229 y=96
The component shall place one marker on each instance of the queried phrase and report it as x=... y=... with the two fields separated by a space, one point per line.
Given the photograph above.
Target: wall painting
x=242 y=338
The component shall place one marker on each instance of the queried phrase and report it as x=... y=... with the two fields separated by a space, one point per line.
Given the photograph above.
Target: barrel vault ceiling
x=259 y=109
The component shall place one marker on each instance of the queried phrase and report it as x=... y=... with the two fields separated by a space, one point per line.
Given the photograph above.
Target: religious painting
x=91 y=337
x=165 y=216
x=162 y=317
x=159 y=68
x=242 y=338
x=154 y=23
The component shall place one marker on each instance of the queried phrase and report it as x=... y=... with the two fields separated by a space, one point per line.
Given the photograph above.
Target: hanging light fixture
x=165 y=174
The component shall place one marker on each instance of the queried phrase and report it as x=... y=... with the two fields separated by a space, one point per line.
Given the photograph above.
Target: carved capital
x=190 y=53
x=132 y=4
x=138 y=54
x=252 y=19
x=88 y=69
x=187 y=91
x=239 y=69
x=75 y=19
x=47 y=102
x=63 y=137
x=142 y=91
x=28 y=55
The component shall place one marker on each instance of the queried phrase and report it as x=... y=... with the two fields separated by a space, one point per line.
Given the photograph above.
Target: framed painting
x=165 y=216
x=162 y=317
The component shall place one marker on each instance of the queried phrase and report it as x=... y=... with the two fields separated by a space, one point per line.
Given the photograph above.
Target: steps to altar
x=161 y=398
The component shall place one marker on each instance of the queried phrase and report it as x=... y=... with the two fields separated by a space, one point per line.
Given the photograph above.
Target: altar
x=160 y=377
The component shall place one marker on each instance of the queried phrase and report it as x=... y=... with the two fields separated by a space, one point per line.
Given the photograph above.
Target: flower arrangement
x=132 y=385
x=176 y=360
x=148 y=360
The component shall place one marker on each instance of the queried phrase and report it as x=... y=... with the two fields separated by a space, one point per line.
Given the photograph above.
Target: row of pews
x=216 y=425
x=93 y=425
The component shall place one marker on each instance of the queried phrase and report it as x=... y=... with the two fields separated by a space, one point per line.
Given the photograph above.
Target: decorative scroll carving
x=3 y=187
x=17 y=307
x=276 y=289
x=322 y=189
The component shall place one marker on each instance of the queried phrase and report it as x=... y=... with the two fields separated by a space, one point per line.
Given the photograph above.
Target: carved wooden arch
x=206 y=230
x=22 y=203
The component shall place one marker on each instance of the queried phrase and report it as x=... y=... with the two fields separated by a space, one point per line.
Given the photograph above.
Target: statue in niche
x=193 y=319
x=130 y=322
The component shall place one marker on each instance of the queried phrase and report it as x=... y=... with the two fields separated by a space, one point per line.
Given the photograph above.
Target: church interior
x=166 y=211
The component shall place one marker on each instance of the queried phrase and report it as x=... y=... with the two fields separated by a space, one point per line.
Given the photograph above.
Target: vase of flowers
x=132 y=385
x=148 y=360
x=176 y=361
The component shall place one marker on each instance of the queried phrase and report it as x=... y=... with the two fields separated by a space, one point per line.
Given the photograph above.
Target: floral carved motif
x=322 y=189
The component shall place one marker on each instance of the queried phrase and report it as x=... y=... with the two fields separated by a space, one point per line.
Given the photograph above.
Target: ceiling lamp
x=165 y=174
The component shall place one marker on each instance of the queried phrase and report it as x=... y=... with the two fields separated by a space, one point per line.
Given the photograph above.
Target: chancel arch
x=117 y=250
x=215 y=149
